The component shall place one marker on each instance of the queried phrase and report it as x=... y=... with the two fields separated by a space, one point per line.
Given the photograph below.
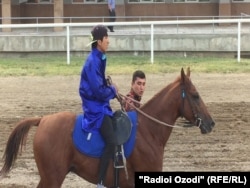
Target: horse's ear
x=182 y=71
x=182 y=75
x=188 y=72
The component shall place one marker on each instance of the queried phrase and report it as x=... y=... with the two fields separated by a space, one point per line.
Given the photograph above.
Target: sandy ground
x=226 y=148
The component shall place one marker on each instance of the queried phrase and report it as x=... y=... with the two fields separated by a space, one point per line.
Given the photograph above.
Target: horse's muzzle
x=206 y=127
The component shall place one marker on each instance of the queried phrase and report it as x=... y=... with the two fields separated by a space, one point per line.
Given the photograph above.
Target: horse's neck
x=163 y=107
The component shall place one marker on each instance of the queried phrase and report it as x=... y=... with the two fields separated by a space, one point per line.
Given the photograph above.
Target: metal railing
x=39 y=20
x=152 y=24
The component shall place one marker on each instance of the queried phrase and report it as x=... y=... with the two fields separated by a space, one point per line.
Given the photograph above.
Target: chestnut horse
x=56 y=156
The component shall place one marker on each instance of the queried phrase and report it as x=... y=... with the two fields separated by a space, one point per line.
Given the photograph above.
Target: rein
x=145 y=114
x=120 y=97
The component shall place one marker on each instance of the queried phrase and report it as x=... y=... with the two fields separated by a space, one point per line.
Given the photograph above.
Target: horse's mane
x=164 y=90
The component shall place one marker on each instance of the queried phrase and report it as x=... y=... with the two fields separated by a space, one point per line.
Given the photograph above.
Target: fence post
x=152 y=43
x=68 y=45
x=239 y=41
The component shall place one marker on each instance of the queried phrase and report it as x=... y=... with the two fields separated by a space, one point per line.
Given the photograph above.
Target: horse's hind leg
x=52 y=167
x=52 y=174
x=51 y=181
x=52 y=170
x=52 y=149
x=52 y=164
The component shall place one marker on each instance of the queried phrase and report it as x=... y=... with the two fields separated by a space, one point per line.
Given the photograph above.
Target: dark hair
x=139 y=74
x=98 y=32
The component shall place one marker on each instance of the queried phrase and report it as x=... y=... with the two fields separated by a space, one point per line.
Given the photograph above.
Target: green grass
x=119 y=64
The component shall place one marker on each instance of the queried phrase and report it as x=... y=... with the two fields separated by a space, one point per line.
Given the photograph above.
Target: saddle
x=92 y=144
x=122 y=126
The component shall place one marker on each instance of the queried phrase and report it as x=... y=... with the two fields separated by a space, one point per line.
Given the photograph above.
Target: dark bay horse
x=56 y=156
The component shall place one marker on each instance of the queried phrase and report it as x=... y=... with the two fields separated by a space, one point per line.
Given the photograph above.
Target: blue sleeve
x=96 y=77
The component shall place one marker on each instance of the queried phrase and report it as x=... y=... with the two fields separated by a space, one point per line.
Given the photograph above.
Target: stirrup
x=118 y=154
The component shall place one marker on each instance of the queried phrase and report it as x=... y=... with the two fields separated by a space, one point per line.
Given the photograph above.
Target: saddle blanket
x=92 y=143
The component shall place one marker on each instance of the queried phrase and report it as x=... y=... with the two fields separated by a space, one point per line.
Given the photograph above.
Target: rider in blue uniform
x=96 y=94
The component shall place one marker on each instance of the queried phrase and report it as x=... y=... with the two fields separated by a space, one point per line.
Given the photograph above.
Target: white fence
x=151 y=24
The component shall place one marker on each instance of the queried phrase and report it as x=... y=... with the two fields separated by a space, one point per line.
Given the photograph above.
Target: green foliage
x=119 y=64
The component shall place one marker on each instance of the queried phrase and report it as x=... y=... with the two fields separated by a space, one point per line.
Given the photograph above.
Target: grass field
x=119 y=64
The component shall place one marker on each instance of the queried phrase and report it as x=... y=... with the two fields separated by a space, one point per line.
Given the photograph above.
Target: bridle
x=198 y=120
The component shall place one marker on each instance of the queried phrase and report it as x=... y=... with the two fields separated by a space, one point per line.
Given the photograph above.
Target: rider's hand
x=116 y=87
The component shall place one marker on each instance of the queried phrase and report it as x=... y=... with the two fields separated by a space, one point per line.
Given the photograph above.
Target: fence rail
x=38 y=20
x=151 y=24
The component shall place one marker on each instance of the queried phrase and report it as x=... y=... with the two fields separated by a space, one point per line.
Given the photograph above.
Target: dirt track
x=226 y=148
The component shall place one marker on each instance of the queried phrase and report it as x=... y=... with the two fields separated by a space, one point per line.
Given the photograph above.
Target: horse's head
x=192 y=106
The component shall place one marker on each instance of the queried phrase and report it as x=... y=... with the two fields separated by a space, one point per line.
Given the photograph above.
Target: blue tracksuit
x=94 y=91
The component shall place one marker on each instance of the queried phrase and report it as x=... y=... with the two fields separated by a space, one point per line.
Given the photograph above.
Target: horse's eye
x=196 y=96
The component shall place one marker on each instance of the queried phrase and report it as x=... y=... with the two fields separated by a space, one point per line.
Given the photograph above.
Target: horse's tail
x=16 y=139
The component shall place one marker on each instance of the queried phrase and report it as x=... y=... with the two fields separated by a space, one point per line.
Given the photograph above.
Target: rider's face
x=103 y=44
